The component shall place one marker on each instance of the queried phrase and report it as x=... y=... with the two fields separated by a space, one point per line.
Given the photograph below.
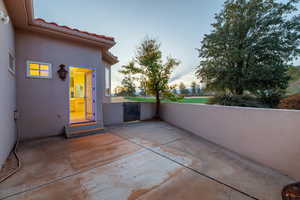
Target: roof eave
x=108 y=57
x=43 y=27
x=22 y=15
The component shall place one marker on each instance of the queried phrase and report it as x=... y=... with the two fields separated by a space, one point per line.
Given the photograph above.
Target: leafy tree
x=194 y=88
x=118 y=90
x=294 y=73
x=250 y=46
x=142 y=92
x=128 y=86
x=199 y=92
x=174 y=91
x=294 y=83
x=151 y=70
x=143 y=88
x=183 y=89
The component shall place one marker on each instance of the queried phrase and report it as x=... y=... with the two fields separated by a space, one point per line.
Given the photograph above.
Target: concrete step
x=82 y=129
x=81 y=126
x=87 y=132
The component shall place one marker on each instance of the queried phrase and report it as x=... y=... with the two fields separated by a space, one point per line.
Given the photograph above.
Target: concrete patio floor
x=145 y=160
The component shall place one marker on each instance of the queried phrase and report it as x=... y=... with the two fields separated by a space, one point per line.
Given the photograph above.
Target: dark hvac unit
x=132 y=111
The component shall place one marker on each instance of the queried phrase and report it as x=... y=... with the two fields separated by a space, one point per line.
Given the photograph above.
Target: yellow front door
x=81 y=95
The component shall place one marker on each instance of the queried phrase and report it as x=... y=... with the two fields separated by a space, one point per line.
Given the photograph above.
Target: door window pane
x=107 y=81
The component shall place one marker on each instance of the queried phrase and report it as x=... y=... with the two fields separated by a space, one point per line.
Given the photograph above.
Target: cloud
x=187 y=79
x=181 y=73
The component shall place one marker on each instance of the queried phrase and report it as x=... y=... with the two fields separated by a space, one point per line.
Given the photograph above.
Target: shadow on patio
x=145 y=160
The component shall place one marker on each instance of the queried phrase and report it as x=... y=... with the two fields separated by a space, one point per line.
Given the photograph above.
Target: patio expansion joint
x=190 y=168
x=71 y=175
x=172 y=141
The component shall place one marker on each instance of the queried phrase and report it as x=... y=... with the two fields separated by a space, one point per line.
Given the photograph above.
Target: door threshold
x=84 y=123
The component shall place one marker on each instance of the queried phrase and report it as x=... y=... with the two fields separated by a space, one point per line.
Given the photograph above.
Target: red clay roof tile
x=74 y=29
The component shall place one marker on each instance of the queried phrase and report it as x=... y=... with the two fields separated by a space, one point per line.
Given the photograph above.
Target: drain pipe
x=16 y=117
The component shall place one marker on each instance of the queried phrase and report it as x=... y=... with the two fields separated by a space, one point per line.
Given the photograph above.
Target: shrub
x=242 y=101
x=181 y=96
x=291 y=102
x=171 y=96
x=270 y=97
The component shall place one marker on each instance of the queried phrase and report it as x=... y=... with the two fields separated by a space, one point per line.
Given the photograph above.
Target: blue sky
x=179 y=25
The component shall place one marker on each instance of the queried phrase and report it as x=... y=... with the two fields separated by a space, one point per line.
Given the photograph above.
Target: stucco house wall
x=43 y=104
x=8 y=90
x=113 y=113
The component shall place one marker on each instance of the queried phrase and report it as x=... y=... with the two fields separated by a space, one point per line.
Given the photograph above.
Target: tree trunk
x=157 y=106
x=239 y=91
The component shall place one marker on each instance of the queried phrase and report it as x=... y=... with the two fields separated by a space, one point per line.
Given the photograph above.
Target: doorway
x=82 y=95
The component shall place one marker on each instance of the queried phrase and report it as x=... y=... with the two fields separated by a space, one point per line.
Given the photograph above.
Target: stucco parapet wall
x=113 y=113
x=234 y=107
x=268 y=136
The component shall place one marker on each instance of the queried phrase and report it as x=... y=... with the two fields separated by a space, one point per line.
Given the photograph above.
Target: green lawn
x=185 y=100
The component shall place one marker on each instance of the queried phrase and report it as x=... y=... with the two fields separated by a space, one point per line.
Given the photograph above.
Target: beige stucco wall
x=8 y=90
x=147 y=110
x=44 y=103
x=270 y=137
x=113 y=113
